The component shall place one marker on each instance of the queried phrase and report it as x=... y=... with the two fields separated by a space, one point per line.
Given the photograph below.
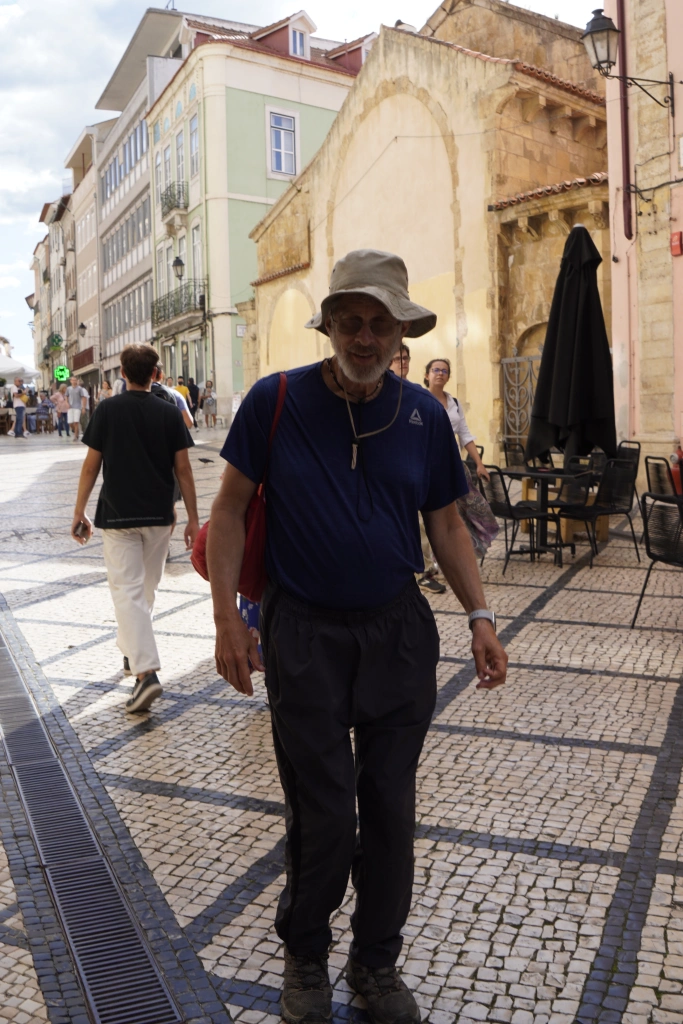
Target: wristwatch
x=482 y=613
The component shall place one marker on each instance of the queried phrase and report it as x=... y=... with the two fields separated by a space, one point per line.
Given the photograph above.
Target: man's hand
x=489 y=655
x=81 y=517
x=190 y=534
x=235 y=648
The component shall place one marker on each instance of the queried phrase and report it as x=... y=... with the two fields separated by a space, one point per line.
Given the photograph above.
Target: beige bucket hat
x=384 y=277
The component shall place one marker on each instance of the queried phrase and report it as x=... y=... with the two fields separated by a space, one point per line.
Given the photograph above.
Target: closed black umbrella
x=573 y=407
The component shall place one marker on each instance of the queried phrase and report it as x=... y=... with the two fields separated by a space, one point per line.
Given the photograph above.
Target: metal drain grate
x=119 y=976
x=62 y=833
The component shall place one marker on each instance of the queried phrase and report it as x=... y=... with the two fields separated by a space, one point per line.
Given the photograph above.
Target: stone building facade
x=646 y=198
x=438 y=154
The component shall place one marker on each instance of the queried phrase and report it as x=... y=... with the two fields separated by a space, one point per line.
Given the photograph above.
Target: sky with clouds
x=56 y=60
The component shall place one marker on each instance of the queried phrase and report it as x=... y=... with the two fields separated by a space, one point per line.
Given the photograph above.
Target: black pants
x=328 y=672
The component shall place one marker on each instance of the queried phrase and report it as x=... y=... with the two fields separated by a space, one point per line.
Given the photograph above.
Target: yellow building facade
x=434 y=156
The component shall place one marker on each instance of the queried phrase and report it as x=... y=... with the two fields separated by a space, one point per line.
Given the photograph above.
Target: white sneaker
x=10 y=433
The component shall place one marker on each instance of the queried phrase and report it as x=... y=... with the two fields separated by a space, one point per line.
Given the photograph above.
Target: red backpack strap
x=281 y=394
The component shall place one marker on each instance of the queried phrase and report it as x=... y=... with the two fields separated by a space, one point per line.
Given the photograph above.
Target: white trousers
x=135 y=564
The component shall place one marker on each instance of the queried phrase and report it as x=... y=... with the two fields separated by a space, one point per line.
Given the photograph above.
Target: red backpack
x=253 y=577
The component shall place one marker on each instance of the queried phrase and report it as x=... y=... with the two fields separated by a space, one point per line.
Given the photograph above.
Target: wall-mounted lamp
x=601 y=40
x=178 y=268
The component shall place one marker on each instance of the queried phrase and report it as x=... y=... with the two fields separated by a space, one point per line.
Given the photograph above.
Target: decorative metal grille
x=174 y=197
x=188 y=298
x=520 y=376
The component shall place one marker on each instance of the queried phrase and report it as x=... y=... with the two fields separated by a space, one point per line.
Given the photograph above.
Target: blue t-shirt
x=339 y=537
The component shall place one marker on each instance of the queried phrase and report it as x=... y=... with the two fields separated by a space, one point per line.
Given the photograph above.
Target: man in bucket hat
x=349 y=641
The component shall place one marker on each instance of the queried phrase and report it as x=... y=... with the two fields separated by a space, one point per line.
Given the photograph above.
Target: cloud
x=9 y=282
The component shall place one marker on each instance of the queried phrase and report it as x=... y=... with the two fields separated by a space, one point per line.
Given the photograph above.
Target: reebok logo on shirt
x=415 y=418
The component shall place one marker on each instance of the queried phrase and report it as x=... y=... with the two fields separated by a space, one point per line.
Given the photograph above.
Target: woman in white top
x=437 y=375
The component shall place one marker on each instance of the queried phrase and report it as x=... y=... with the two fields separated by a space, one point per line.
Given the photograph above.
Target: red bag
x=253 y=577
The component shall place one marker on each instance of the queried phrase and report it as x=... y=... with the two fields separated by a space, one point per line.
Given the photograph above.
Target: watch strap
x=482 y=613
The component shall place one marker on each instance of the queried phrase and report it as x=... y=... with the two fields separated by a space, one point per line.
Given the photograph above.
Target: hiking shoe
x=127 y=671
x=389 y=999
x=307 y=993
x=144 y=692
x=430 y=585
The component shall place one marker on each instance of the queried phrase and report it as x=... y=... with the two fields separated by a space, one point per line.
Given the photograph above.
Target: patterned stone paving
x=549 y=878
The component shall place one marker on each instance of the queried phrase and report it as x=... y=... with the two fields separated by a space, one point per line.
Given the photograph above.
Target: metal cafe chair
x=659 y=478
x=514 y=453
x=629 y=451
x=496 y=493
x=615 y=497
x=663 y=529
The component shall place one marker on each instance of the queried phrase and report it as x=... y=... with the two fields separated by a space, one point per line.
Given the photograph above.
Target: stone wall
x=501 y=29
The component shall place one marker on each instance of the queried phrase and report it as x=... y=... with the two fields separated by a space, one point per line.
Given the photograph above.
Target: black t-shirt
x=138 y=437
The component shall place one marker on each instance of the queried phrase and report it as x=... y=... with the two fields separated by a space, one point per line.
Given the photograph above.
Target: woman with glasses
x=473 y=507
x=437 y=375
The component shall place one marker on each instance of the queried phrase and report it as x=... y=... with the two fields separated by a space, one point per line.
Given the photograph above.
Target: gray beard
x=359 y=375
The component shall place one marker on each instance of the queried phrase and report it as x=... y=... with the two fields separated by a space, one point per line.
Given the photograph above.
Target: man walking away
x=19 y=406
x=170 y=394
x=349 y=642
x=76 y=398
x=141 y=441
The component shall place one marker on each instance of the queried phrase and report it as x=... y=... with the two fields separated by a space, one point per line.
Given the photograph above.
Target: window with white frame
x=180 y=156
x=197 y=252
x=194 y=145
x=167 y=167
x=298 y=43
x=157 y=177
x=282 y=143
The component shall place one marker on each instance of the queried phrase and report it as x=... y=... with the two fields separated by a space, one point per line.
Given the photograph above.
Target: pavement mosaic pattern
x=549 y=871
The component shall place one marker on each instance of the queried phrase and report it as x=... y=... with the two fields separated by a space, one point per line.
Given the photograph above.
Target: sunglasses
x=381 y=327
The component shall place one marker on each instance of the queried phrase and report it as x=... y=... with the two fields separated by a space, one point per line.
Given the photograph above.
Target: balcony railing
x=84 y=358
x=174 y=197
x=189 y=297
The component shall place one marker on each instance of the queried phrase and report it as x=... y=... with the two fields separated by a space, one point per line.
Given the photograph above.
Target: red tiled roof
x=550 y=190
x=267 y=29
x=347 y=47
x=318 y=57
x=280 y=273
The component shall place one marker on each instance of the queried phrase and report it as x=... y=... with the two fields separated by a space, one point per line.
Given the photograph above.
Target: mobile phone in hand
x=82 y=531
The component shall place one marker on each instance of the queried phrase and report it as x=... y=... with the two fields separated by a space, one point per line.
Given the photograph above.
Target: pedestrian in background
x=209 y=405
x=400 y=364
x=105 y=391
x=62 y=409
x=85 y=414
x=76 y=397
x=473 y=507
x=194 y=399
x=182 y=387
x=140 y=441
x=18 y=396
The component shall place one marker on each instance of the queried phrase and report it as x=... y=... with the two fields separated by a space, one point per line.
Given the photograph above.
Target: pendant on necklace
x=354 y=455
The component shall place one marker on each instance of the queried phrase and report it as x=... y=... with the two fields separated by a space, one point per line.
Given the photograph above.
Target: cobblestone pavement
x=549 y=882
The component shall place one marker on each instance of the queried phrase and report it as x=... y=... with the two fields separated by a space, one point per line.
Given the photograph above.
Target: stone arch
x=532 y=339
x=422 y=226
x=288 y=342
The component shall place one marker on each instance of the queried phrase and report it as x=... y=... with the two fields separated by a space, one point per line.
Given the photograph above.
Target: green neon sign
x=62 y=373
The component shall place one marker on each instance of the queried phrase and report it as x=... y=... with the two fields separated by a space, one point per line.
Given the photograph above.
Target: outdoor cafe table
x=543 y=478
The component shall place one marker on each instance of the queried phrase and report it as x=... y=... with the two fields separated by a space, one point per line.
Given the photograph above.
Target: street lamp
x=601 y=40
x=82 y=330
x=178 y=268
